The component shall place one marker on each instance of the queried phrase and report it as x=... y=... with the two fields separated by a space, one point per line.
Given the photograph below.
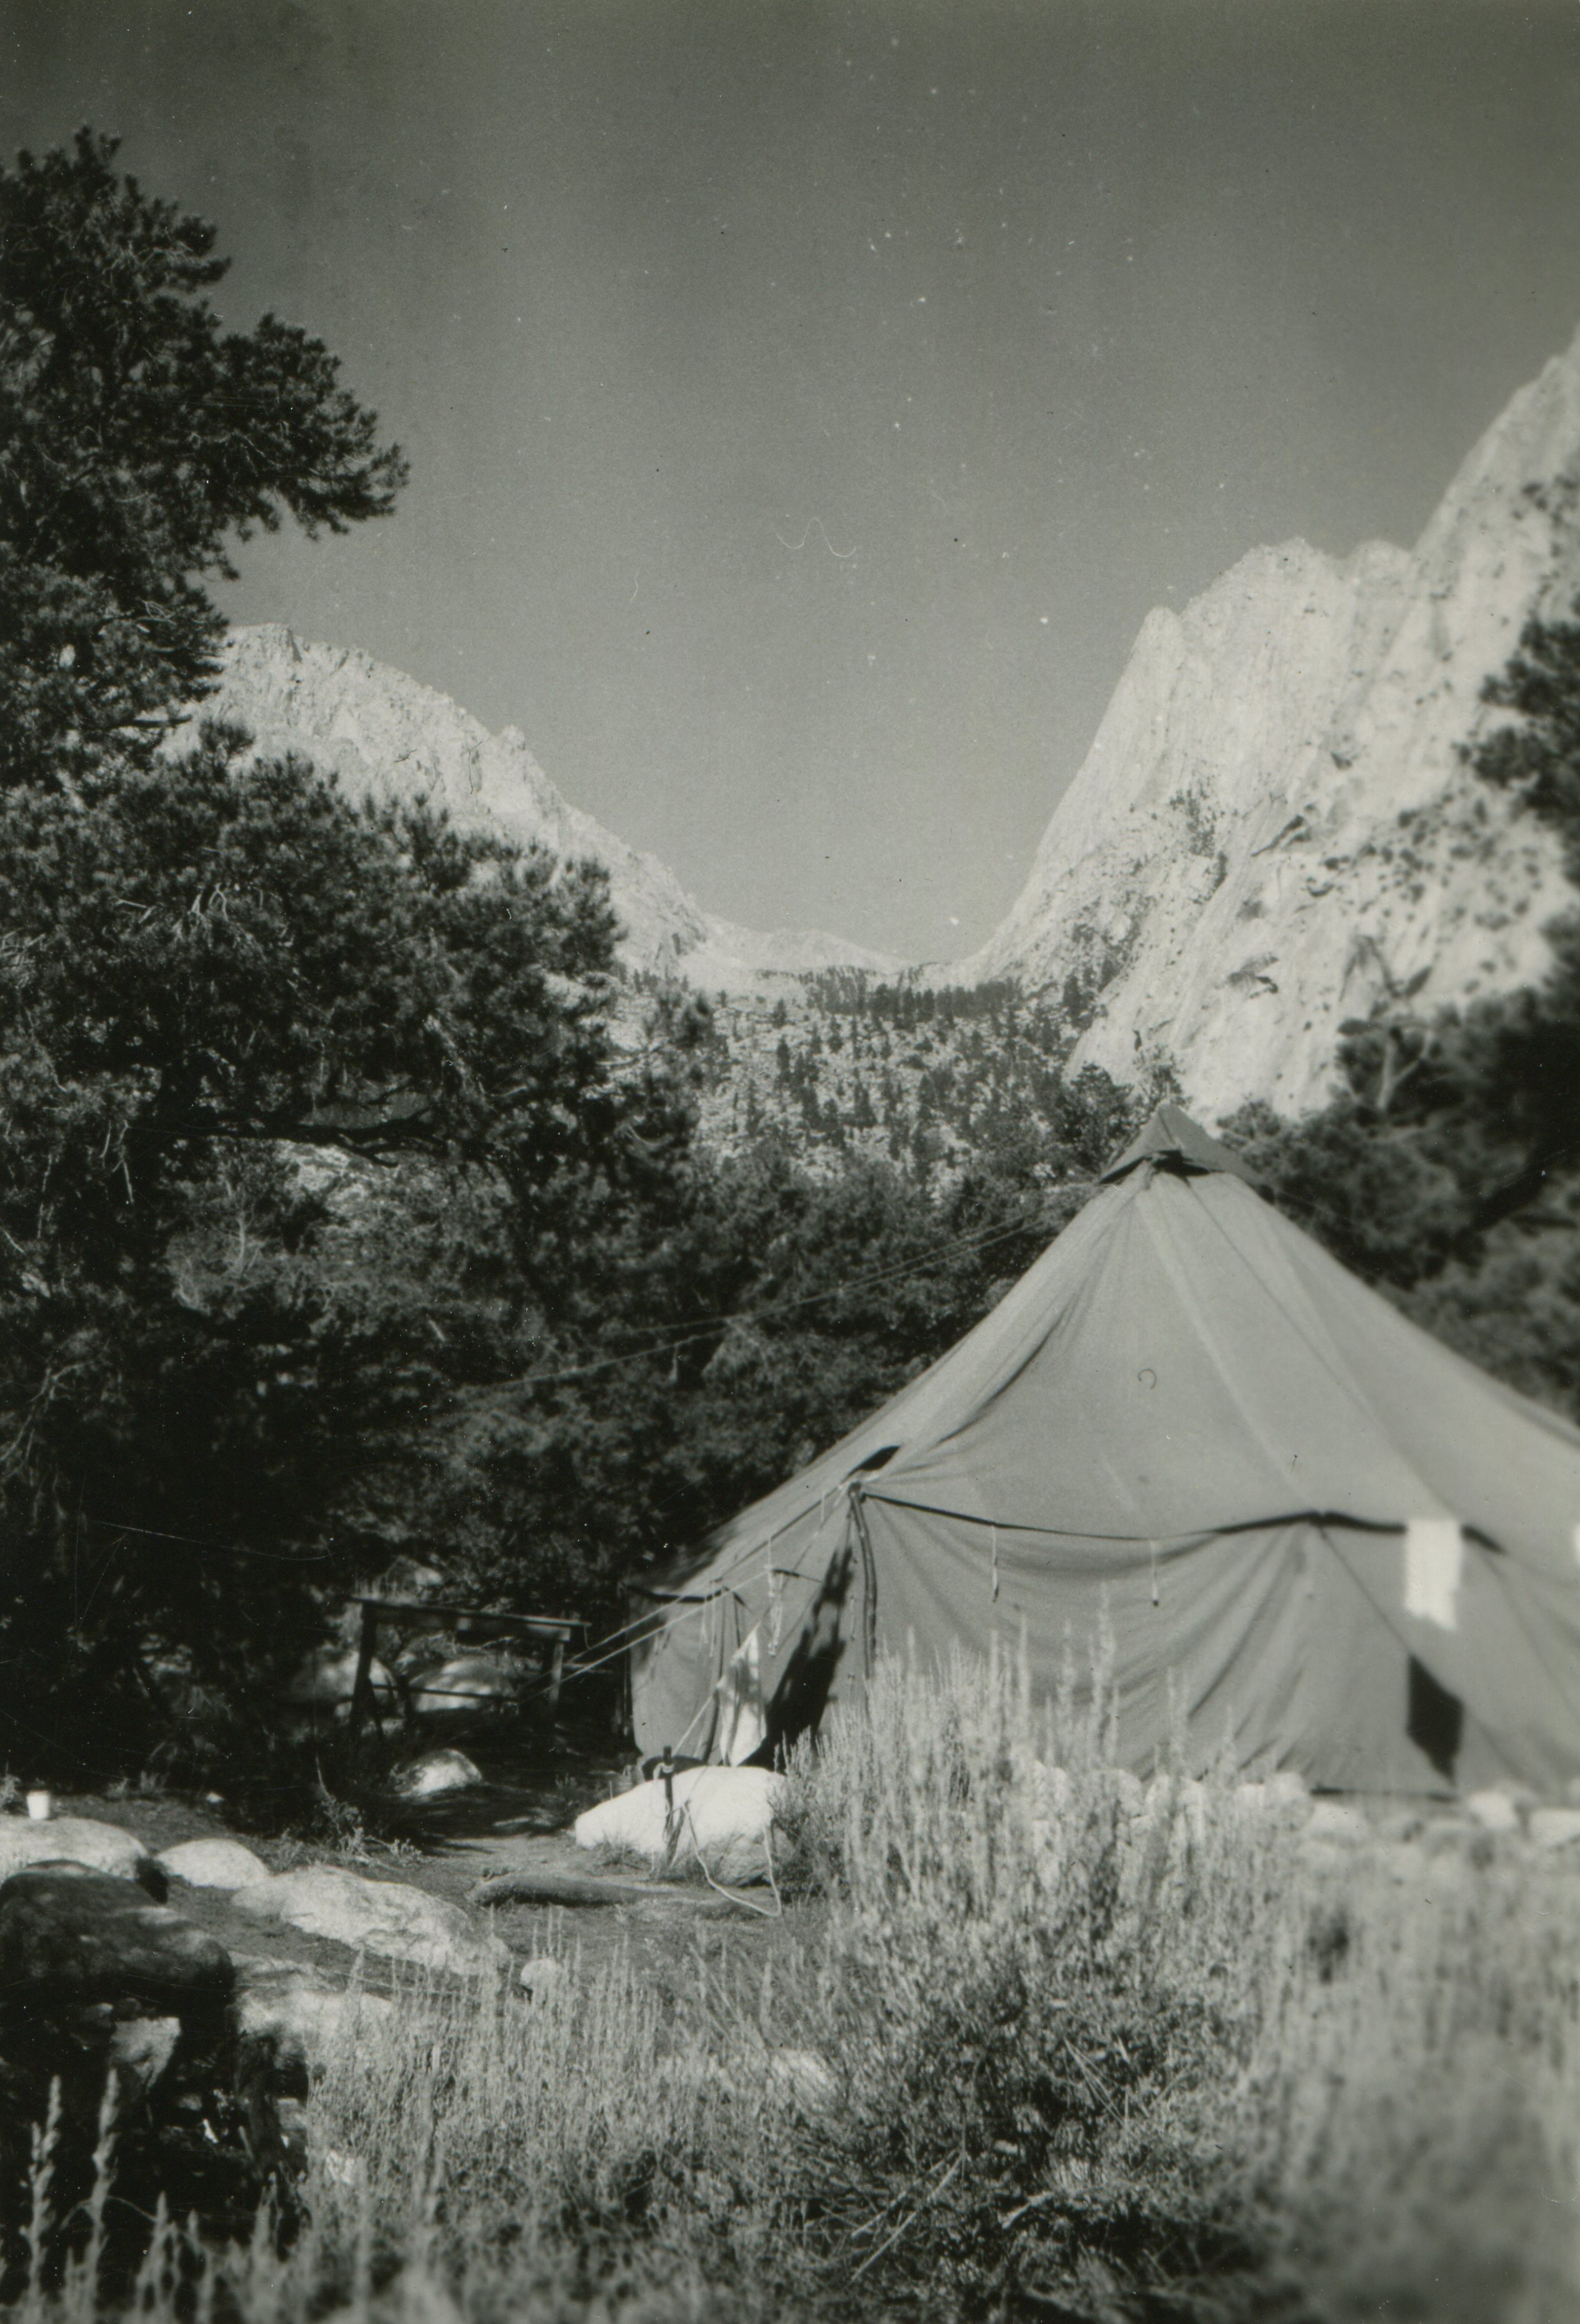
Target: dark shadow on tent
x=802 y=1696
x=1436 y=1721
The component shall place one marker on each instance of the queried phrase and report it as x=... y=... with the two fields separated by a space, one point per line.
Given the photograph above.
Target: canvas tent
x=1326 y=1535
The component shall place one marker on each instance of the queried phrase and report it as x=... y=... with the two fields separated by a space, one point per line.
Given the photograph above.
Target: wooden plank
x=543 y=1625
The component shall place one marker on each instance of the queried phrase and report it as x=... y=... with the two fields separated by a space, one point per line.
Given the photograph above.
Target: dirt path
x=662 y=1935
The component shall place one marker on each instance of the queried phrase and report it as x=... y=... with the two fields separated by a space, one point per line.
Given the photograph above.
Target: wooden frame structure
x=436 y=1616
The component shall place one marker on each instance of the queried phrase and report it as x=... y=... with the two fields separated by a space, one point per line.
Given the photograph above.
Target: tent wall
x=1187 y=1413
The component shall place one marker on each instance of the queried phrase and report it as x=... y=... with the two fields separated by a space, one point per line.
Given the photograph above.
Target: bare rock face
x=1274 y=831
x=389 y=737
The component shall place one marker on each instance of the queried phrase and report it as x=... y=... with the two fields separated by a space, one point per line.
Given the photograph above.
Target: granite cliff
x=1274 y=831
x=386 y=736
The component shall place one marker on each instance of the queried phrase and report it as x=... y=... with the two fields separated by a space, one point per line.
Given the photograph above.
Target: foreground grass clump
x=1042 y=2041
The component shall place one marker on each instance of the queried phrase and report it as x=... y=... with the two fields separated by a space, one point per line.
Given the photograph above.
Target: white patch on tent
x=1577 y=1545
x=1434 y=1556
x=742 y=1727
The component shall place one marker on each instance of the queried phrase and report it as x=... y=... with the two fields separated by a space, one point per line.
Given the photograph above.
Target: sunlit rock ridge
x=383 y=734
x=1274 y=831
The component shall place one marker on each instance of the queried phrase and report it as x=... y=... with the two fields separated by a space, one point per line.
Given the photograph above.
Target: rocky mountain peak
x=386 y=736
x=1275 y=830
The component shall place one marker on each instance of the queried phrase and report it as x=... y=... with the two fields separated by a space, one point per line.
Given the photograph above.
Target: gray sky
x=806 y=402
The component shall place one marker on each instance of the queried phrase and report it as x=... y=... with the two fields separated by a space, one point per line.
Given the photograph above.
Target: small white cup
x=41 y=1806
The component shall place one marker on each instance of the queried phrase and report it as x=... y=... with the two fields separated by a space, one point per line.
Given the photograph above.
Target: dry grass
x=1060 y=2046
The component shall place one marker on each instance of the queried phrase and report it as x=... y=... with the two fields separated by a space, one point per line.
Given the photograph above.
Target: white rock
x=74 y=1839
x=439 y=1772
x=1494 y=1811
x=1555 y=1827
x=1332 y=1822
x=722 y=1815
x=213 y=1864
x=389 y=1917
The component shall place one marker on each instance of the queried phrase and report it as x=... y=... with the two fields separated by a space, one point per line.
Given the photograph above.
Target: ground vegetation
x=1030 y=2039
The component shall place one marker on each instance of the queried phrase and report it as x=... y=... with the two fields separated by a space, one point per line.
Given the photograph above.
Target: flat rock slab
x=376 y=1916
x=213 y=1864
x=71 y=1935
x=79 y=1839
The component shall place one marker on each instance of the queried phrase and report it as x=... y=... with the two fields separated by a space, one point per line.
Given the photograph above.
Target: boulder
x=1494 y=1811
x=68 y=1935
x=98 y=1984
x=474 y=1685
x=79 y=1839
x=213 y=1864
x=387 y=1917
x=436 y=1772
x=1555 y=1827
x=720 y=1817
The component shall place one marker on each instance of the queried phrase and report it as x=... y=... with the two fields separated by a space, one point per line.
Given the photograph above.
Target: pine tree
x=136 y=440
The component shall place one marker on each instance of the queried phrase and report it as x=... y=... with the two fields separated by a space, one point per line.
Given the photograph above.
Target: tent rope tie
x=994 y=1534
x=1154 y=1548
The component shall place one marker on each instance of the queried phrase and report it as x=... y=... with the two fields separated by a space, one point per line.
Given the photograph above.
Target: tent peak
x=1171 y=1138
